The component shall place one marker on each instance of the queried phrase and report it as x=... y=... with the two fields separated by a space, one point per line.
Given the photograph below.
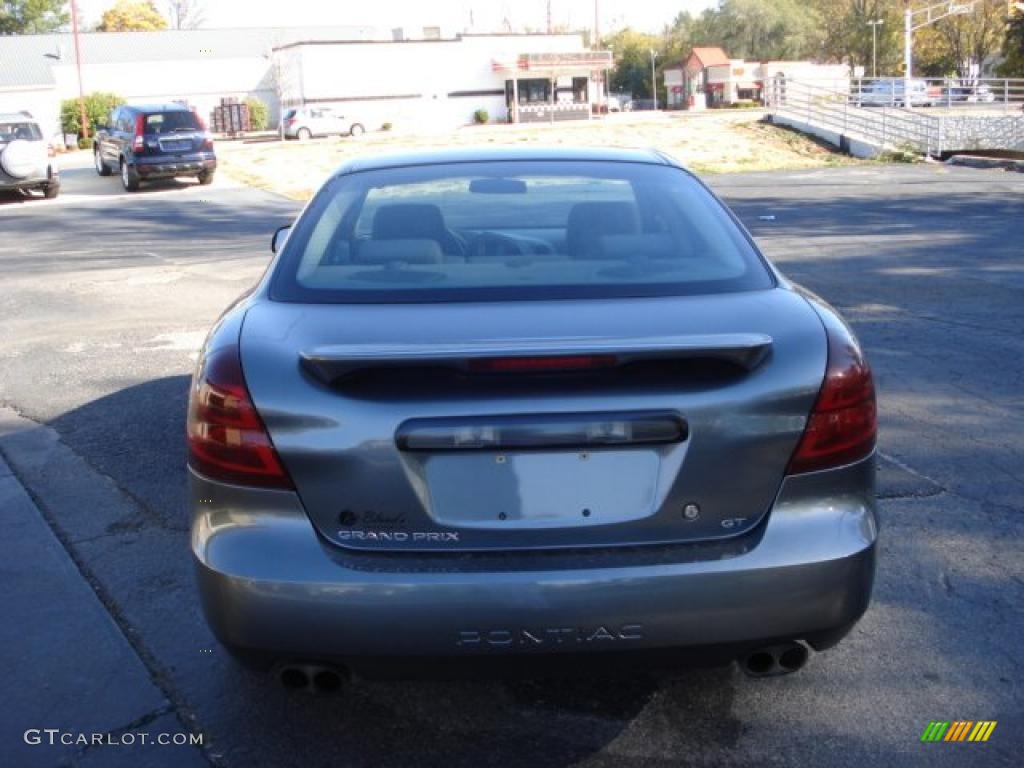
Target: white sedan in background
x=307 y=122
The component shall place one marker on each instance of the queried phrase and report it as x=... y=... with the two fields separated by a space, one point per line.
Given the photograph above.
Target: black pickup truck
x=155 y=141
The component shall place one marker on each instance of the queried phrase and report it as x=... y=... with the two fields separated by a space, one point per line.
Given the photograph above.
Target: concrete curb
x=975 y=161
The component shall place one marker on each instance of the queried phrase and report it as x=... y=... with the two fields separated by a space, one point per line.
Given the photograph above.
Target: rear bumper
x=158 y=168
x=270 y=585
x=37 y=181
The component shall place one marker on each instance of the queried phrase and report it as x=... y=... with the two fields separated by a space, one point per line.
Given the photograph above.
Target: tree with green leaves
x=131 y=16
x=31 y=17
x=98 y=106
x=846 y=35
x=760 y=30
x=972 y=38
x=678 y=39
x=955 y=45
x=1013 y=48
x=632 y=53
x=259 y=115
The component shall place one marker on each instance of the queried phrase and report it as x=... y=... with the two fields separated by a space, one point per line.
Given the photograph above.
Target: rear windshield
x=514 y=230
x=12 y=131
x=169 y=122
x=289 y=114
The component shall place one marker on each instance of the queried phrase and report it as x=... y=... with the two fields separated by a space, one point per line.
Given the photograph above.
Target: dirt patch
x=707 y=143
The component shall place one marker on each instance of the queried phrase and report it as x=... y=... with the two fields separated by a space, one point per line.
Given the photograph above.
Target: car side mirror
x=279 y=238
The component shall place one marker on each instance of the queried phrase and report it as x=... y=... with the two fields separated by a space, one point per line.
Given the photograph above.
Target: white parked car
x=27 y=159
x=307 y=122
x=890 y=93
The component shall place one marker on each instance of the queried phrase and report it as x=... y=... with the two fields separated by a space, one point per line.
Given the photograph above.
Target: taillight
x=227 y=440
x=51 y=151
x=139 y=143
x=207 y=143
x=842 y=426
x=290 y=121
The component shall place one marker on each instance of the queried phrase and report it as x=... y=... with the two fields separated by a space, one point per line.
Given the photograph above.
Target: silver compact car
x=522 y=406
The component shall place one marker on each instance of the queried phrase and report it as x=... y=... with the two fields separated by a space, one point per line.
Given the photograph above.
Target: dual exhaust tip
x=313 y=678
x=775 y=660
x=766 y=661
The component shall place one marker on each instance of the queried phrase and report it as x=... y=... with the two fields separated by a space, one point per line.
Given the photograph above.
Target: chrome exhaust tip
x=313 y=678
x=775 y=660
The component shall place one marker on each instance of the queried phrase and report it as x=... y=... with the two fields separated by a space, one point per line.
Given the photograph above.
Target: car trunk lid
x=475 y=427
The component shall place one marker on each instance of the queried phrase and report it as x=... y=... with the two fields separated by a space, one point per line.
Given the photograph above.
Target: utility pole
x=654 y=80
x=78 y=67
x=874 y=45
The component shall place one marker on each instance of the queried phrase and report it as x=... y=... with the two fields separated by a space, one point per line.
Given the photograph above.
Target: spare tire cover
x=19 y=159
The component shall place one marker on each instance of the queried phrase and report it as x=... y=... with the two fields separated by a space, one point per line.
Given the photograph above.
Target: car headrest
x=588 y=222
x=637 y=247
x=409 y=221
x=408 y=250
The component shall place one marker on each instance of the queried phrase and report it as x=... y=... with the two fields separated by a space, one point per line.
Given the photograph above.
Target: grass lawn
x=714 y=142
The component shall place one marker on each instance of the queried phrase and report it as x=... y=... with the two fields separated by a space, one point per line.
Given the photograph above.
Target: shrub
x=386 y=127
x=900 y=154
x=480 y=116
x=97 y=111
x=259 y=115
x=84 y=143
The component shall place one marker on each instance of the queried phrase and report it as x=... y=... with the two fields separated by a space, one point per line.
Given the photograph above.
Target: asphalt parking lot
x=105 y=300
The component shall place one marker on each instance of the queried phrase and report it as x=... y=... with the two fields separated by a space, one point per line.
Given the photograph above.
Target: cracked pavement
x=105 y=300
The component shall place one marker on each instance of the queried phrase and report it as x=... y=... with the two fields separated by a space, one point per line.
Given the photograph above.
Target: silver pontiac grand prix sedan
x=526 y=405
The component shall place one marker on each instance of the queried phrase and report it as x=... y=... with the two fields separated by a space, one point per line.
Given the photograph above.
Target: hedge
x=97 y=111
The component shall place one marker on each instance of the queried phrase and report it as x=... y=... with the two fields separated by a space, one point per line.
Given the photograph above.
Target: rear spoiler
x=331 y=363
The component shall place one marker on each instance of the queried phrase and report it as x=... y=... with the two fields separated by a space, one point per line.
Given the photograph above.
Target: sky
x=454 y=15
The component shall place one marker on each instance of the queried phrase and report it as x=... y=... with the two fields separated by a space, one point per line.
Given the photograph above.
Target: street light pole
x=654 y=80
x=874 y=45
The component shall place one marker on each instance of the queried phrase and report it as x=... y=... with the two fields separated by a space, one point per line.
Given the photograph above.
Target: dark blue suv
x=156 y=141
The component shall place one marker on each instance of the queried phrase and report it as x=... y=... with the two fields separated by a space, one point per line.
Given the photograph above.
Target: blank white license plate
x=532 y=489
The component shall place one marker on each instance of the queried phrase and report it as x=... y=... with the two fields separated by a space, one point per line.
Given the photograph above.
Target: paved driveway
x=106 y=297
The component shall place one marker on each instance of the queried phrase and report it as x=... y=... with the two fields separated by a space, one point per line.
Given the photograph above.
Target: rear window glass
x=514 y=230
x=13 y=131
x=289 y=114
x=168 y=122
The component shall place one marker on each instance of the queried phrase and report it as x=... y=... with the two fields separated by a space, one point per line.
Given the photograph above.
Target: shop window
x=534 y=91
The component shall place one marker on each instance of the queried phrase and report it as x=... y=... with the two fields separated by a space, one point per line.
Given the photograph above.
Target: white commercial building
x=441 y=83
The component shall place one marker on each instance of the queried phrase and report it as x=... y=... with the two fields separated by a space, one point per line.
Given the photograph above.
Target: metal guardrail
x=857 y=109
x=1004 y=94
